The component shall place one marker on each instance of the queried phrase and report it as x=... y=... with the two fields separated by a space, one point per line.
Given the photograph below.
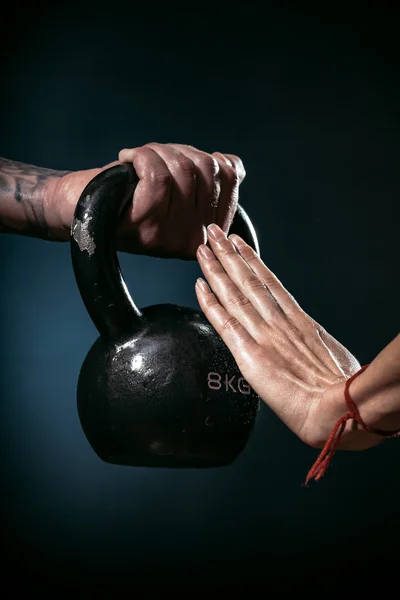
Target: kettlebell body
x=169 y=395
x=158 y=388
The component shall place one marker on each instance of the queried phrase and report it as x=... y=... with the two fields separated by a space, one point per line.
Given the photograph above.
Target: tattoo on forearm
x=25 y=185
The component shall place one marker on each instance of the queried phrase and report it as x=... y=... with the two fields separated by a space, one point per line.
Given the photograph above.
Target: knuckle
x=222 y=158
x=160 y=177
x=230 y=325
x=228 y=170
x=227 y=250
x=252 y=283
x=214 y=269
x=241 y=172
x=179 y=147
x=269 y=283
x=238 y=166
x=148 y=149
x=238 y=301
x=208 y=163
x=186 y=165
x=232 y=176
x=248 y=254
x=213 y=304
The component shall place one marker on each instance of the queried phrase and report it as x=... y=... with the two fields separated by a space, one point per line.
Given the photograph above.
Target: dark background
x=310 y=101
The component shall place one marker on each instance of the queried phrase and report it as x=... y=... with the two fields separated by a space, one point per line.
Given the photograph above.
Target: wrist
x=377 y=398
x=62 y=196
x=372 y=397
x=333 y=407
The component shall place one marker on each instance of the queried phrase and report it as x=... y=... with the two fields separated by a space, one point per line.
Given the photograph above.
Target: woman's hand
x=290 y=361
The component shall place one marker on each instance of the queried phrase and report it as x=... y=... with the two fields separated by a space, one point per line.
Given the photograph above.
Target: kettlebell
x=158 y=388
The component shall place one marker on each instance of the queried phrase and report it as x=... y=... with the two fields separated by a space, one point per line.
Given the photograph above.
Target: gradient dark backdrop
x=310 y=101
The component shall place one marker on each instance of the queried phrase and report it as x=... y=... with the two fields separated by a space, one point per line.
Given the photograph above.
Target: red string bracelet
x=325 y=458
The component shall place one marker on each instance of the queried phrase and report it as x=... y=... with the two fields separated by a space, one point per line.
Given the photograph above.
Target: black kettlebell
x=159 y=387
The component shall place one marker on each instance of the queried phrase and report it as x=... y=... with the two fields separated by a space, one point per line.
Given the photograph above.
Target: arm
x=27 y=200
x=376 y=393
x=180 y=191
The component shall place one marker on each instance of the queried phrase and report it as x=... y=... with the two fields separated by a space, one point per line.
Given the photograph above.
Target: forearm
x=25 y=192
x=376 y=393
x=39 y=202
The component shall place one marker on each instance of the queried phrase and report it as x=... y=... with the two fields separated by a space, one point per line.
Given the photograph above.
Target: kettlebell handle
x=94 y=254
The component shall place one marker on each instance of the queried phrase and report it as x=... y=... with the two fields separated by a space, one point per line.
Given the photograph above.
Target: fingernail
x=202 y=285
x=205 y=252
x=215 y=232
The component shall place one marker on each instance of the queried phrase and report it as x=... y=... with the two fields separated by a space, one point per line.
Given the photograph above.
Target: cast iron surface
x=158 y=387
x=170 y=395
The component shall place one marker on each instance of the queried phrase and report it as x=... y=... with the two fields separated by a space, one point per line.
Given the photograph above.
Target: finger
x=153 y=188
x=208 y=183
x=287 y=302
x=184 y=219
x=242 y=276
x=256 y=289
x=229 y=296
x=325 y=346
x=237 y=164
x=183 y=171
x=229 y=195
x=242 y=346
